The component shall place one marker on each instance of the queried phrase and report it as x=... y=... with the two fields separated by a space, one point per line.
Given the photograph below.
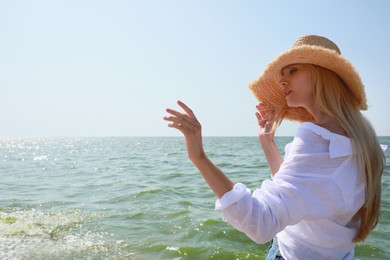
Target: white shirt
x=309 y=204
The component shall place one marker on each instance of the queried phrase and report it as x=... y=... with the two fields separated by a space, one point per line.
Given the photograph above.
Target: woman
x=324 y=195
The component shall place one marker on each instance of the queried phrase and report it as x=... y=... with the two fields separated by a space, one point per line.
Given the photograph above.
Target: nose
x=283 y=83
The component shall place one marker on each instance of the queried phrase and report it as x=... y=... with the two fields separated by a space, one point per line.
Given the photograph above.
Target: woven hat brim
x=267 y=90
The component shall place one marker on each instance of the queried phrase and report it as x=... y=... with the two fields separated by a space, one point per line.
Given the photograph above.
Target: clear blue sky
x=110 y=68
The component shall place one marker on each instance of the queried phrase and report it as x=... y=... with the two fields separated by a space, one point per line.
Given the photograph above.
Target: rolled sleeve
x=238 y=192
x=254 y=214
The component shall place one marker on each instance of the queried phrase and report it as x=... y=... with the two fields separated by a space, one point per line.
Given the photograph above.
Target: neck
x=325 y=121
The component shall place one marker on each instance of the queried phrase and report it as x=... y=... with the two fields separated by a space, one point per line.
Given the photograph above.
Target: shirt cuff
x=229 y=198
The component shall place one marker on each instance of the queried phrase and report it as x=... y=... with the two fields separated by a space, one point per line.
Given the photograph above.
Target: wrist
x=199 y=158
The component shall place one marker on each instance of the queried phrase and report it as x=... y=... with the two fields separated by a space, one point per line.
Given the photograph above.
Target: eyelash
x=293 y=70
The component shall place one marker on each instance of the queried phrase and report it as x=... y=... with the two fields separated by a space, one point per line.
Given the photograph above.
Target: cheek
x=305 y=84
x=309 y=89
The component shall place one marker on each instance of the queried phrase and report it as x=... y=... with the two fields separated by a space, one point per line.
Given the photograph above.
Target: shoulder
x=311 y=138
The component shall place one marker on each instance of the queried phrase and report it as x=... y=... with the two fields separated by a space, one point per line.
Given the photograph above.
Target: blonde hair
x=335 y=99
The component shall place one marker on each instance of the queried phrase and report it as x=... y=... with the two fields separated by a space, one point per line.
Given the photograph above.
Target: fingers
x=175 y=113
x=264 y=114
x=265 y=118
x=263 y=110
x=186 y=109
x=180 y=117
x=181 y=125
x=262 y=122
x=182 y=121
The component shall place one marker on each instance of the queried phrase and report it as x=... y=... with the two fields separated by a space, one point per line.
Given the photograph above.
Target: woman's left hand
x=265 y=117
x=188 y=124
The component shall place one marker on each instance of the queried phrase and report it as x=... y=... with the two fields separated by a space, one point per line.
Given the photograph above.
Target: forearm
x=215 y=178
x=272 y=155
x=191 y=128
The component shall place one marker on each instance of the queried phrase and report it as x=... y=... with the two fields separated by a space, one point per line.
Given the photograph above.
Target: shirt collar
x=339 y=145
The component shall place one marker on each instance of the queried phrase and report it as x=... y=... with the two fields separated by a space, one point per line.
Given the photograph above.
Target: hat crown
x=315 y=40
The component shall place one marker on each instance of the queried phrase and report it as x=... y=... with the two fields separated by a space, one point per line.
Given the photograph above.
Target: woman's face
x=297 y=84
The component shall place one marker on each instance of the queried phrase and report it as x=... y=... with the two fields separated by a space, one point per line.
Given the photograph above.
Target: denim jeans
x=273 y=251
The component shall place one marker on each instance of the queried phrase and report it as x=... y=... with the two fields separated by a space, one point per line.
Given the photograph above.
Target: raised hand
x=188 y=124
x=265 y=118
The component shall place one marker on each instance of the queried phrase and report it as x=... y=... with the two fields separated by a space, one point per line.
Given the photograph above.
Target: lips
x=286 y=93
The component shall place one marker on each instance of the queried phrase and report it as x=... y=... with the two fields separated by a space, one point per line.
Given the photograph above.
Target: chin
x=291 y=104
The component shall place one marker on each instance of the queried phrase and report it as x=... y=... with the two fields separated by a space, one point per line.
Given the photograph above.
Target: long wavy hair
x=335 y=99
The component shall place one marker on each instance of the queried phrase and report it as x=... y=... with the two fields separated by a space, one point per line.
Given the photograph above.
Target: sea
x=133 y=198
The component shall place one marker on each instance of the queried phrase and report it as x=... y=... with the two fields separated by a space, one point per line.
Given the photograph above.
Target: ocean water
x=132 y=198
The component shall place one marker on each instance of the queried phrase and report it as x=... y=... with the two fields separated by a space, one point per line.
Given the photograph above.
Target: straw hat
x=311 y=49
